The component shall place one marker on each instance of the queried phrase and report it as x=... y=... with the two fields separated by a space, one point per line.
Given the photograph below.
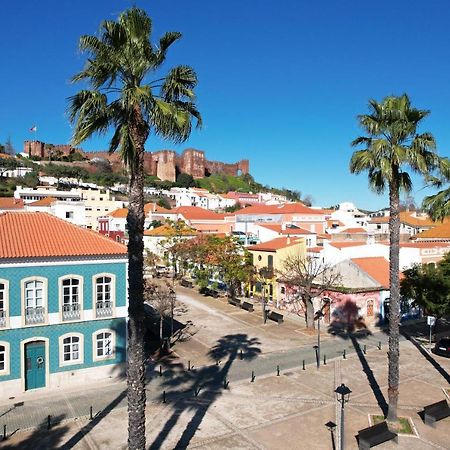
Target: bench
x=277 y=317
x=436 y=411
x=247 y=306
x=186 y=283
x=234 y=301
x=375 y=435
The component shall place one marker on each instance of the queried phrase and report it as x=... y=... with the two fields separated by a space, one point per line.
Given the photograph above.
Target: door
x=35 y=365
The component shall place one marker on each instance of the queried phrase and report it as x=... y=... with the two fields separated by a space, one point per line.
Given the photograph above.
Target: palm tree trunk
x=136 y=330
x=394 y=307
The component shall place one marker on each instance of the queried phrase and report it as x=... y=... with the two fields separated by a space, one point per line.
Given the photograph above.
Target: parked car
x=442 y=347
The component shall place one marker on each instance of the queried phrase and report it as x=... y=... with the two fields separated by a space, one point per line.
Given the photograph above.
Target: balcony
x=71 y=312
x=103 y=309
x=34 y=315
x=2 y=318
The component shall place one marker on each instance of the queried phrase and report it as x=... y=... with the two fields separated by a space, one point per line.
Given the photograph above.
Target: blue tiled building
x=63 y=304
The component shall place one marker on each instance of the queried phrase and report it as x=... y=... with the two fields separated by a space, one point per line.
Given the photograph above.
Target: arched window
x=3 y=303
x=103 y=342
x=71 y=295
x=104 y=295
x=4 y=358
x=71 y=349
x=34 y=300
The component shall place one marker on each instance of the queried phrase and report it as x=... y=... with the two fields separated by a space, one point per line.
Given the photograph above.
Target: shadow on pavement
x=427 y=356
x=202 y=386
x=41 y=438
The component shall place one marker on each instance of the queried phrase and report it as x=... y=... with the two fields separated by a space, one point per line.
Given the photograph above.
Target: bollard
x=365 y=348
x=303 y=365
x=345 y=355
x=197 y=391
x=225 y=383
x=160 y=371
x=324 y=360
x=189 y=365
x=164 y=396
x=48 y=422
x=278 y=370
x=4 y=432
x=241 y=355
x=379 y=345
x=253 y=377
x=90 y=413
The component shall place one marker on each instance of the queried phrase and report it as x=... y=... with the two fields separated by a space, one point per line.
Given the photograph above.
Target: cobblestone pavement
x=271 y=412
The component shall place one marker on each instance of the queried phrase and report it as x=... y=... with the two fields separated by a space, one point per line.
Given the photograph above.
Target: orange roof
x=347 y=244
x=381 y=219
x=197 y=213
x=6 y=156
x=153 y=207
x=11 y=203
x=314 y=249
x=423 y=220
x=289 y=230
x=275 y=244
x=120 y=213
x=331 y=222
x=376 y=267
x=40 y=235
x=441 y=231
x=324 y=236
x=167 y=230
x=46 y=201
x=354 y=231
x=285 y=208
x=422 y=244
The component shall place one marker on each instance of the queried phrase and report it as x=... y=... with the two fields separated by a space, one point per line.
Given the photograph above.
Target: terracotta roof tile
x=120 y=213
x=197 y=213
x=39 y=235
x=153 y=207
x=167 y=230
x=46 y=201
x=289 y=230
x=354 y=231
x=275 y=244
x=347 y=244
x=11 y=203
x=375 y=267
x=423 y=220
x=285 y=208
x=441 y=231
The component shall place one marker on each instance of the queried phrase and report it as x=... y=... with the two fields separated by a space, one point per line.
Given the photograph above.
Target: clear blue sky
x=281 y=82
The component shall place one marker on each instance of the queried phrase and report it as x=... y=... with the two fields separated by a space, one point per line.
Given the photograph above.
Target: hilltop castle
x=165 y=164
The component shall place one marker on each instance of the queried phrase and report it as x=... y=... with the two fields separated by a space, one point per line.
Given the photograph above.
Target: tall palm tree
x=438 y=205
x=391 y=146
x=121 y=59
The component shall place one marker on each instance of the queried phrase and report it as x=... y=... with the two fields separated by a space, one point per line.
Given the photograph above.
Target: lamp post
x=342 y=396
x=331 y=427
x=319 y=314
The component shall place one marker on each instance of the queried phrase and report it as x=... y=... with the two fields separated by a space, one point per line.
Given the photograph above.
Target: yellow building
x=98 y=203
x=268 y=260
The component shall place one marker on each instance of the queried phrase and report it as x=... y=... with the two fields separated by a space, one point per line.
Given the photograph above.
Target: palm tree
x=438 y=205
x=121 y=59
x=391 y=146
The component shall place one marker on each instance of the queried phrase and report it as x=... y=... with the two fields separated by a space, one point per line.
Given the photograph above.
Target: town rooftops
x=40 y=235
x=197 y=213
x=11 y=203
x=376 y=267
x=46 y=201
x=275 y=244
x=415 y=219
x=285 y=208
x=340 y=245
x=354 y=231
x=120 y=213
x=166 y=230
x=441 y=231
x=289 y=229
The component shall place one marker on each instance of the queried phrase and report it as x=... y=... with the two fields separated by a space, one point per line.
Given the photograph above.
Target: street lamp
x=331 y=427
x=342 y=396
x=319 y=314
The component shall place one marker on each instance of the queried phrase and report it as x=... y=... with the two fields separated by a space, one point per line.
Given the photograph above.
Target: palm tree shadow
x=370 y=376
x=203 y=386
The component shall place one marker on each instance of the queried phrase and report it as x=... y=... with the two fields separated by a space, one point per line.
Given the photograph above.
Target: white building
x=73 y=212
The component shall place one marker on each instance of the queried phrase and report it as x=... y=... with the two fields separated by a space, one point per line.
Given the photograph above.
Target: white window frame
x=94 y=293
x=95 y=357
x=5 y=302
x=5 y=371
x=23 y=284
x=61 y=295
x=71 y=362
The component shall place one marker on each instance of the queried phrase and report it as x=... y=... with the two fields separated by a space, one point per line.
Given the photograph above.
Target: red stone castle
x=165 y=164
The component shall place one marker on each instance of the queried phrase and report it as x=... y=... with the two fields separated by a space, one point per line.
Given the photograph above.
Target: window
x=71 y=348
x=34 y=301
x=3 y=303
x=69 y=214
x=70 y=295
x=370 y=308
x=270 y=260
x=103 y=344
x=4 y=358
x=104 y=295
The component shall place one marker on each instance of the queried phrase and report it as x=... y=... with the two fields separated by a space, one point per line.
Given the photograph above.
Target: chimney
x=288 y=241
x=283 y=226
